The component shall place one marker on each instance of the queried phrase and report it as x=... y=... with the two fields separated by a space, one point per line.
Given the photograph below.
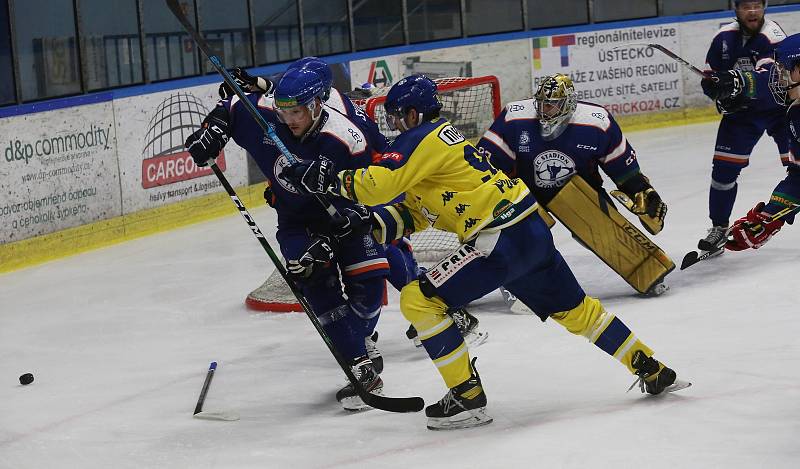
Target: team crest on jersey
x=524 y=137
x=744 y=64
x=280 y=163
x=552 y=169
x=725 y=55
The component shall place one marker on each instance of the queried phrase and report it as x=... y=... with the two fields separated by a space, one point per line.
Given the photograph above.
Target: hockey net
x=471 y=104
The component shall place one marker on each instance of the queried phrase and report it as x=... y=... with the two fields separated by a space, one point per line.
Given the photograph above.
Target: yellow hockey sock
x=438 y=333
x=603 y=329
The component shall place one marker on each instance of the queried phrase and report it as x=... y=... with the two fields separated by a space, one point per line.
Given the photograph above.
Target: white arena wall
x=79 y=173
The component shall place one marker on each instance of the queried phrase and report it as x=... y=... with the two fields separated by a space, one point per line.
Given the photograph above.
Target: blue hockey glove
x=311 y=177
x=248 y=83
x=355 y=220
x=319 y=253
x=206 y=143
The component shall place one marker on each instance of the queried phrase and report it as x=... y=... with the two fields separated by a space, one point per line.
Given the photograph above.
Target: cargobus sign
x=165 y=160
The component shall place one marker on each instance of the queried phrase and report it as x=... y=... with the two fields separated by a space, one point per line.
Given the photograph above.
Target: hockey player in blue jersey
x=451 y=186
x=403 y=266
x=549 y=140
x=318 y=250
x=741 y=45
x=777 y=81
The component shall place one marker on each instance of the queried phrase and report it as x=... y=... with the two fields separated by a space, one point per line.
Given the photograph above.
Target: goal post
x=471 y=104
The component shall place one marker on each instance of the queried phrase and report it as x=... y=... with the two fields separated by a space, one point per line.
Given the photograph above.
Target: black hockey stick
x=669 y=53
x=392 y=404
x=176 y=9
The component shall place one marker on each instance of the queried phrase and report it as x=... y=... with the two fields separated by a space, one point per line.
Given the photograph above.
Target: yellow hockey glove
x=647 y=205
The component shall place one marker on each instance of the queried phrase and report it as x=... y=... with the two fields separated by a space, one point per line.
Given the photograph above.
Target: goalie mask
x=555 y=102
x=787 y=58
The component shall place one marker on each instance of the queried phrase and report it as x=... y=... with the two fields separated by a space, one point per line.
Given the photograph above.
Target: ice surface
x=119 y=340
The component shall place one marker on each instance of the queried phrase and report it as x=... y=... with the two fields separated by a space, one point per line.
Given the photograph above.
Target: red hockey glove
x=753 y=230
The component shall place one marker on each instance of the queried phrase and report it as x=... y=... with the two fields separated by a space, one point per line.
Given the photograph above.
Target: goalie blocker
x=614 y=239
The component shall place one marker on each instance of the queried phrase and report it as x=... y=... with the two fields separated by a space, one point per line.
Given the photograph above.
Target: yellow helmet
x=555 y=103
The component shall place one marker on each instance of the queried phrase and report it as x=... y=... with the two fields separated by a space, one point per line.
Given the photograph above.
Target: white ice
x=119 y=340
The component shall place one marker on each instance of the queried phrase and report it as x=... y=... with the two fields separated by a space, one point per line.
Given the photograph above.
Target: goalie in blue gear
x=451 y=186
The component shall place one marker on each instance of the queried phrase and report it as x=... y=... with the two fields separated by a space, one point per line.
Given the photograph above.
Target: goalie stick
x=391 y=404
x=670 y=54
x=693 y=257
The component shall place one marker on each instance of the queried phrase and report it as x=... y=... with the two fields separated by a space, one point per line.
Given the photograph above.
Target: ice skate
x=657 y=290
x=714 y=240
x=654 y=376
x=468 y=327
x=463 y=406
x=373 y=352
x=365 y=373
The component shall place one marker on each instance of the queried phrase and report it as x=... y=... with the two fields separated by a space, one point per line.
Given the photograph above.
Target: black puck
x=27 y=378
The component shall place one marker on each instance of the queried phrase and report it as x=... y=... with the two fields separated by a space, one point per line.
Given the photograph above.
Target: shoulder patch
x=346 y=131
x=773 y=32
x=450 y=135
x=591 y=115
x=524 y=109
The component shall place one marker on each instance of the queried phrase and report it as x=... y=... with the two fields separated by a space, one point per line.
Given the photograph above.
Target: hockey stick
x=199 y=413
x=391 y=404
x=267 y=127
x=669 y=53
x=693 y=257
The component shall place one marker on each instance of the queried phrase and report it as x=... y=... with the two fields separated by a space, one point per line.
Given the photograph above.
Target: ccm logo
x=586 y=147
x=392 y=156
x=515 y=107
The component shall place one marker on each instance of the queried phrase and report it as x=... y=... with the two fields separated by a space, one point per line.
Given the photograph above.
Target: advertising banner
x=154 y=166
x=58 y=170
x=506 y=60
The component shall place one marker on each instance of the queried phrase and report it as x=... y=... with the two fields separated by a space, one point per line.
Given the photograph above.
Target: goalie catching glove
x=647 y=205
x=318 y=253
x=752 y=230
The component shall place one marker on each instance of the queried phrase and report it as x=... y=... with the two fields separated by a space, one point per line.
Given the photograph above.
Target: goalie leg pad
x=614 y=239
x=589 y=319
x=438 y=333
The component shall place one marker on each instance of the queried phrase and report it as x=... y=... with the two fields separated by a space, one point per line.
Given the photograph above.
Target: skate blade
x=658 y=290
x=474 y=339
x=466 y=419
x=677 y=386
x=223 y=416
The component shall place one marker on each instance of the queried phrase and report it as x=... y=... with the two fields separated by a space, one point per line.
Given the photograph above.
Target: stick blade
x=393 y=404
x=226 y=416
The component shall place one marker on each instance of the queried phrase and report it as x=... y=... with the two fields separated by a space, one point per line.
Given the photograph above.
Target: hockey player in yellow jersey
x=448 y=184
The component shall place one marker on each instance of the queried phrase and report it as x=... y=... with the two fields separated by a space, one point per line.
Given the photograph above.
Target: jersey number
x=479 y=161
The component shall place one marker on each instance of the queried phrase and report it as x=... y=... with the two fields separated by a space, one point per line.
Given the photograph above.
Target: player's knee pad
x=724 y=175
x=419 y=308
x=585 y=319
x=366 y=296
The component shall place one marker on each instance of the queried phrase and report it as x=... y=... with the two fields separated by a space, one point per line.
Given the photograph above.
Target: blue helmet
x=318 y=65
x=415 y=91
x=737 y=2
x=297 y=87
x=788 y=52
x=787 y=57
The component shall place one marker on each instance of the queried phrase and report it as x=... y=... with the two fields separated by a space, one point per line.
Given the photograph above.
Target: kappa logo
x=552 y=169
x=461 y=208
x=447 y=196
